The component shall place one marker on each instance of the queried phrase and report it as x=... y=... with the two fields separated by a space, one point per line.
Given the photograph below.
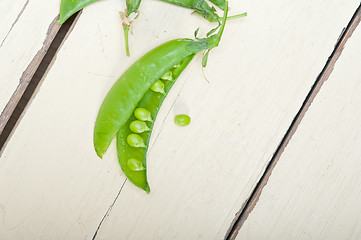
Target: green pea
x=138 y=126
x=182 y=120
x=142 y=114
x=168 y=76
x=135 y=165
x=158 y=87
x=134 y=140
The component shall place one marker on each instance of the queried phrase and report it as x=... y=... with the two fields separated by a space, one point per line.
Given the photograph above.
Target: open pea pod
x=132 y=159
x=69 y=7
x=131 y=105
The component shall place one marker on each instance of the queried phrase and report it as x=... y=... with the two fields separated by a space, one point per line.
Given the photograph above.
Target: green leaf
x=205 y=58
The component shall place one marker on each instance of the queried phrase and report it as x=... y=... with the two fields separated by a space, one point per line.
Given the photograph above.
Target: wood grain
x=313 y=192
x=52 y=185
x=27 y=90
x=25 y=35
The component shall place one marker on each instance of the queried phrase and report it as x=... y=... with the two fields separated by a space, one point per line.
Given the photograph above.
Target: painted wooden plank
x=9 y=11
x=27 y=29
x=314 y=191
x=248 y=206
x=52 y=185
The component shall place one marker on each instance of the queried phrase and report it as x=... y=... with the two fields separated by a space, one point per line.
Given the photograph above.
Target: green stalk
x=221 y=29
x=237 y=16
x=132 y=8
x=126 y=30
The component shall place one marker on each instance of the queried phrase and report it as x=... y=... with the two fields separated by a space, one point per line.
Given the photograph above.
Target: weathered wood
x=314 y=191
x=26 y=90
x=252 y=201
x=52 y=185
x=27 y=30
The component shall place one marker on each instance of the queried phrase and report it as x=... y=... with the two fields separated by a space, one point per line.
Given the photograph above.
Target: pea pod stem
x=128 y=16
x=237 y=16
x=126 y=30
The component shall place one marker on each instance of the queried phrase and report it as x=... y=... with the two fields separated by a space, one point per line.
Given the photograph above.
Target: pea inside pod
x=143 y=114
x=134 y=140
x=138 y=126
x=158 y=87
x=135 y=165
x=168 y=76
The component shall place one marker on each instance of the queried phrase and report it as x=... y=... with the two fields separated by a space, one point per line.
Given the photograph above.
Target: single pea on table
x=182 y=120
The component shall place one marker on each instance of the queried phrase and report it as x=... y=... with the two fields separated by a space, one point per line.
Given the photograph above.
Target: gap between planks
x=249 y=205
x=32 y=78
x=29 y=72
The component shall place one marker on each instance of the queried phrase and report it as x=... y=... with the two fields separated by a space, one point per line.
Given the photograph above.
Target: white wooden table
x=273 y=150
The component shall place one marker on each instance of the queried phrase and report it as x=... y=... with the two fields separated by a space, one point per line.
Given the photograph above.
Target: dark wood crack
x=32 y=78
